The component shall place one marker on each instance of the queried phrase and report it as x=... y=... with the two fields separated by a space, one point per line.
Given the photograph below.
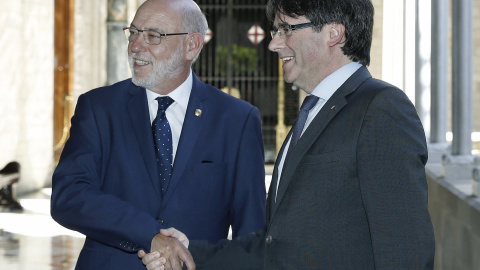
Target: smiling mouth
x=141 y=63
x=286 y=59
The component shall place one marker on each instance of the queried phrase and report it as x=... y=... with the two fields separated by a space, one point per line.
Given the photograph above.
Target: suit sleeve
x=248 y=208
x=78 y=201
x=391 y=158
x=244 y=252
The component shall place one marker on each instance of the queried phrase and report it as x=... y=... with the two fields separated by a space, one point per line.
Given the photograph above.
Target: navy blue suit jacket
x=352 y=194
x=106 y=186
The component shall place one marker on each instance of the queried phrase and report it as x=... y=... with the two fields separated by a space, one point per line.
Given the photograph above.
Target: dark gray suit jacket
x=352 y=195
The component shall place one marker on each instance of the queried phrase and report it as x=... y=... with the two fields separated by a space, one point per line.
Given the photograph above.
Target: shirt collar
x=180 y=95
x=332 y=82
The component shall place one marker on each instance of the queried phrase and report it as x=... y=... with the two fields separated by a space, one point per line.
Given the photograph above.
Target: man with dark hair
x=161 y=149
x=349 y=189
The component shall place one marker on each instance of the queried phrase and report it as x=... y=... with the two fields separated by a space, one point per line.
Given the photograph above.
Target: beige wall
x=26 y=87
x=26 y=103
x=376 y=51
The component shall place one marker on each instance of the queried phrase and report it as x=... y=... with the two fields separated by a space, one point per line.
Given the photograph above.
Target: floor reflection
x=33 y=240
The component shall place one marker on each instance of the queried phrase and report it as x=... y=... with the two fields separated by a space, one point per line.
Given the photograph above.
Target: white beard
x=162 y=70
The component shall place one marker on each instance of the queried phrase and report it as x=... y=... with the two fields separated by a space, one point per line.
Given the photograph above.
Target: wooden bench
x=9 y=176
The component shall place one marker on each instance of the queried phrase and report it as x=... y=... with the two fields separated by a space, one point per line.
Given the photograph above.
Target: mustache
x=138 y=56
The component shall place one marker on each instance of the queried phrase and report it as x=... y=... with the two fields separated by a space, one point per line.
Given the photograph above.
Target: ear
x=194 y=45
x=337 y=33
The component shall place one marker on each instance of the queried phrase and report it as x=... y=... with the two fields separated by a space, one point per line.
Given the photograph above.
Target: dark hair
x=355 y=15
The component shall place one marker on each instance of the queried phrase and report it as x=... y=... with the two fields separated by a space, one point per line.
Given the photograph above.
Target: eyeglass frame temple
x=300 y=26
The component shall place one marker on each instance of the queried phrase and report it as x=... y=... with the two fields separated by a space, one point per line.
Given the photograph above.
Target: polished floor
x=31 y=239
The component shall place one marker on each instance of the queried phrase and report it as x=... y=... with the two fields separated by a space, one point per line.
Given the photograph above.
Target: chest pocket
x=323 y=159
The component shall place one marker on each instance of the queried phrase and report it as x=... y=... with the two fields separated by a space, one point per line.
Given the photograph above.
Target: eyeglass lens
x=150 y=36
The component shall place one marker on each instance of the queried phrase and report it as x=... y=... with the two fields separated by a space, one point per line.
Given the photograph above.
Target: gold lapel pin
x=198 y=112
x=333 y=107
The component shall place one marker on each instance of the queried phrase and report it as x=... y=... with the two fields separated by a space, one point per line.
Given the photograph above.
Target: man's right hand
x=171 y=246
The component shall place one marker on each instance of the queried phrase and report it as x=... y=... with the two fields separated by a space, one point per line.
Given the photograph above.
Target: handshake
x=168 y=251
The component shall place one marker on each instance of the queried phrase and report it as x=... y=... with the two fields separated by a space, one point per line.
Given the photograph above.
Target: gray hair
x=194 y=21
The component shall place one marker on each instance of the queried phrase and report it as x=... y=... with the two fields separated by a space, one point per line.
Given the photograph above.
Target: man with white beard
x=159 y=150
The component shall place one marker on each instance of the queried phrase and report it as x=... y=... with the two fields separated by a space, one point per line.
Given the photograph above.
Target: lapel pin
x=333 y=107
x=198 y=112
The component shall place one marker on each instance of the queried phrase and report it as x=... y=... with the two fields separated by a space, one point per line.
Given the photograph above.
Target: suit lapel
x=273 y=184
x=137 y=108
x=336 y=102
x=192 y=126
x=272 y=191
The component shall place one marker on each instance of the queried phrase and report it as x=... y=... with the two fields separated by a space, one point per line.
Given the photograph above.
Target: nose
x=276 y=43
x=139 y=44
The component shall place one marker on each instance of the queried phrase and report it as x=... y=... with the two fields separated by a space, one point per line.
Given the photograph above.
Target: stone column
x=117 y=62
x=460 y=164
x=462 y=80
x=438 y=145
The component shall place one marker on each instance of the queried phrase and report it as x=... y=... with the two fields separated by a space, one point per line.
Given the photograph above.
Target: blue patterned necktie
x=308 y=103
x=162 y=136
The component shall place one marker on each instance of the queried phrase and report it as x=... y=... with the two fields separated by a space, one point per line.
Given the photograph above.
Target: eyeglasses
x=286 y=30
x=151 y=37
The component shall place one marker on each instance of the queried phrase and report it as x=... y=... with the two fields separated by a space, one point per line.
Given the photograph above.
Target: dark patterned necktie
x=308 y=103
x=162 y=136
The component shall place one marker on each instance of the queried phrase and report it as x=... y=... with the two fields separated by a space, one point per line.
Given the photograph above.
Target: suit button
x=160 y=221
x=269 y=239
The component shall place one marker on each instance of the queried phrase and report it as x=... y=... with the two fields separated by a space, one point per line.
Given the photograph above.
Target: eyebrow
x=148 y=29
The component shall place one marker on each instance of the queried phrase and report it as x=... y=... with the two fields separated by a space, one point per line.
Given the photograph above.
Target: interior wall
x=26 y=88
x=376 y=51
x=456 y=219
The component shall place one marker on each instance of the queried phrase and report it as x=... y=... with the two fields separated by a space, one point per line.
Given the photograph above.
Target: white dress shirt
x=324 y=91
x=176 y=112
